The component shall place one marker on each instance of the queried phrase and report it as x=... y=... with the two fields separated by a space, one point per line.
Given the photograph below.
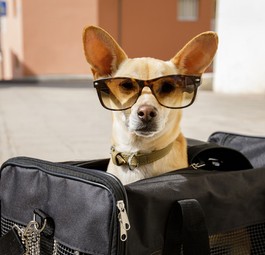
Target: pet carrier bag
x=213 y=207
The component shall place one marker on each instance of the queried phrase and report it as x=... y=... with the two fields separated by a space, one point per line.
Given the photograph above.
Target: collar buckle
x=133 y=162
x=117 y=157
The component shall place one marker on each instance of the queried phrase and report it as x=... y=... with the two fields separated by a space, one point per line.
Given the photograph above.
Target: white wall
x=240 y=61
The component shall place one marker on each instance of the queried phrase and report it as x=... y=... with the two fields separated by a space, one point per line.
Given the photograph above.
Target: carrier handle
x=186 y=228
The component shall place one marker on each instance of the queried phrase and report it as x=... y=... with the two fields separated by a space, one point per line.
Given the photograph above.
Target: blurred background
x=44 y=37
x=48 y=108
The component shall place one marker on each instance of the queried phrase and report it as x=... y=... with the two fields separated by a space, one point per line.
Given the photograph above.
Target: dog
x=146 y=96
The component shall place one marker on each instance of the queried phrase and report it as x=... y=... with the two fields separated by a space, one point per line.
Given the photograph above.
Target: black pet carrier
x=216 y=206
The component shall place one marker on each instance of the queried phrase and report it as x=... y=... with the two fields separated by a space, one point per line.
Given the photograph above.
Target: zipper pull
x=123 y=219
x=196 y=166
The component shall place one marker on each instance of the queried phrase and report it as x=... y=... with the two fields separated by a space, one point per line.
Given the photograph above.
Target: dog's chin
x=143 y=133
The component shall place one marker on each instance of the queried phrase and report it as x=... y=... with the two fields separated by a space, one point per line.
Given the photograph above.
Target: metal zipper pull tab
x=124 y=220
x=196 y=166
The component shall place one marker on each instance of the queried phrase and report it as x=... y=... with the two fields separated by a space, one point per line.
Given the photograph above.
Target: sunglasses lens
x=174 y=91
x=118 y=93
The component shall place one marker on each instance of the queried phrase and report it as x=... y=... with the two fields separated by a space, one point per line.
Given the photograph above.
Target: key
x=30 y=236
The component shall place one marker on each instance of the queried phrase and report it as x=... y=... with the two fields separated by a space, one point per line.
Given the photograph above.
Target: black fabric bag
x=230 y=192
x=80 y=211
x=233 y=204
x=253 y=147
x=174 y=213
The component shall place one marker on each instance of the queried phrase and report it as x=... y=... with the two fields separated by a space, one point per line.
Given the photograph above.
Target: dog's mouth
x=147 y=130
x=145 y=133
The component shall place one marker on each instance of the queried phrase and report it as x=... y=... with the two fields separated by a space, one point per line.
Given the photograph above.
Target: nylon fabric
x=230 y=200
x=82 y=212
x=253 y=147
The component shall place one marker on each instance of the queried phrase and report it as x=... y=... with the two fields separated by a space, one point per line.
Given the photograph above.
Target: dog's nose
x=146 y=112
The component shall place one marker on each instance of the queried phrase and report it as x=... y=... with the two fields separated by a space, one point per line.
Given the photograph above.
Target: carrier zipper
x=73 y=172
x=124 y=220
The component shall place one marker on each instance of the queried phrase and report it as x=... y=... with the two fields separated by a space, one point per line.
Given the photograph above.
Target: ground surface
x=64 y=120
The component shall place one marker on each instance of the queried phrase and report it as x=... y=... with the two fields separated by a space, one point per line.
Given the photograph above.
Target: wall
x=239 y=65
x=44 y=37
x=150 y=27
x=53 y=35
x=108 y=16
x=12 y=40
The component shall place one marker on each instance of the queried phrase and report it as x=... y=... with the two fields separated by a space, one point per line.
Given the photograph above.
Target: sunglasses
x=171 y=91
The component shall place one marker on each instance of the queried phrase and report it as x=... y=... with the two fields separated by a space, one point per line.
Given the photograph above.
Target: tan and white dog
x=146 y=135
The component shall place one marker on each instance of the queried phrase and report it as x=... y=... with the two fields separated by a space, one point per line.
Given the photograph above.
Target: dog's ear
x=102 y=52
x=197 y=54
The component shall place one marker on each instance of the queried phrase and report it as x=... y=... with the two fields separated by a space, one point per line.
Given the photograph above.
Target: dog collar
x=134 y=160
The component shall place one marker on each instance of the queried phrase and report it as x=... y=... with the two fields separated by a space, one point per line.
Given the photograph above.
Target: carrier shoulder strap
x=186 y=230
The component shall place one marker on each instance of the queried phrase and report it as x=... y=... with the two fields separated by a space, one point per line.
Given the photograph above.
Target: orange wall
x=108 y=19
x=45 y=36
x=52 y=35
x=150 y=27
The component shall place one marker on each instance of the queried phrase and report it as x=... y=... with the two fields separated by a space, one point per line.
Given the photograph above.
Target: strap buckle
x=116 y=157
x=133 y=162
